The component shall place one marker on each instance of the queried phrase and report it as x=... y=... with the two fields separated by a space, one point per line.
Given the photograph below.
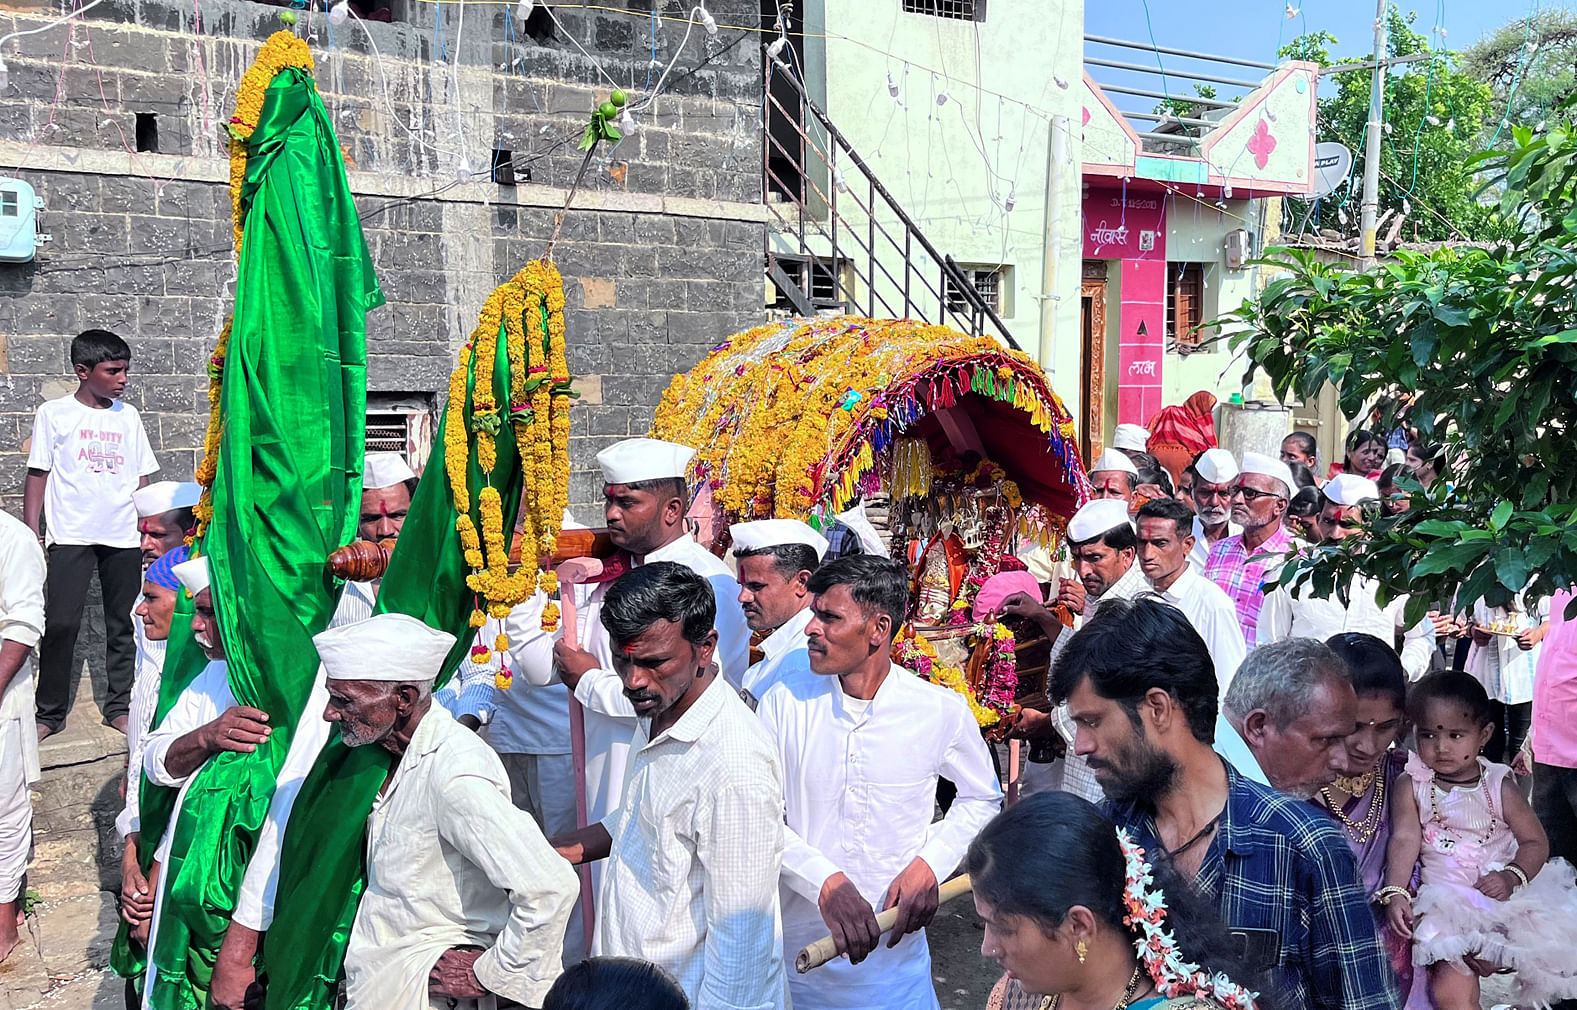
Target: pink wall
x=1130 y=225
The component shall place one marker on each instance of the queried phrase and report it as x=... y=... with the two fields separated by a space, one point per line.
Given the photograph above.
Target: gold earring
x=1081 y=948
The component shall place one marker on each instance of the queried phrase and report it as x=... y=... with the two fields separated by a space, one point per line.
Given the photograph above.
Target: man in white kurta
x=776 y=558
x=644 y=508
x=690 y=881
x=21 y=626
x=862 y=743
x=1297 y=613
x=465 y=899
x=1165 y=538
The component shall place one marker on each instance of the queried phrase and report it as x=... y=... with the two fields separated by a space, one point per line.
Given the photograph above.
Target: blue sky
x=1249 y=29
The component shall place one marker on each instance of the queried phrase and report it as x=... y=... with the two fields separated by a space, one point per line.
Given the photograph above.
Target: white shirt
x=1213 y=614
x=610 y=719
x=692 y=880
x=1200 y=553
x=783 y=653
x=21 y=621
x=1231 y=745
x=144 y=702
x=254 y=903
x=450 y=861
x=1304 y=616
x=96 y=459
x=859 y=789
x=1503 y=667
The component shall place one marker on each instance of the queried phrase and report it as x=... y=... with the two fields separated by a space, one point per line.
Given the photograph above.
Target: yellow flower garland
x=528 y=310
x=283 y=49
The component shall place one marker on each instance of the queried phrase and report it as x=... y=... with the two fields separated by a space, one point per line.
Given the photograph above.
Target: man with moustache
x=862 y=743
x=1291 y=714
x=1213 y=491
x=693 y=853
x=1242 y=563
x=1164 y=543
x=1139 y=685
x=1113 y=475
x=776 y=559
x=465 y=900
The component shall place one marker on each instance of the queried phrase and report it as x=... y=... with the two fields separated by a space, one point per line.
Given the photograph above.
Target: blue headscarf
x=159 y=572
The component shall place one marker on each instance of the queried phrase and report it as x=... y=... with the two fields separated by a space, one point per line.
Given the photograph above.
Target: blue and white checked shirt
x=1276 y=864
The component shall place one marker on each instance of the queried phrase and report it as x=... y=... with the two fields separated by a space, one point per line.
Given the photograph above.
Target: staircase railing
x=840 y=241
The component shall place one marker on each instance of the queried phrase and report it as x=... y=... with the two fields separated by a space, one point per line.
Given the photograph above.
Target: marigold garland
x=283 y=49
x=527 y=312
x=793 y=417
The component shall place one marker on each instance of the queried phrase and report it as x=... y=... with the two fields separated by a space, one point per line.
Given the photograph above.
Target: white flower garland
x=1157 y=947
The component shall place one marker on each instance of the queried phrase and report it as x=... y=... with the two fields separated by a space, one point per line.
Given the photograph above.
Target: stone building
x=459 y=126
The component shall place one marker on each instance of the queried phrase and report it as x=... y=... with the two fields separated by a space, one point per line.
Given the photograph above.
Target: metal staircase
x=838 y=241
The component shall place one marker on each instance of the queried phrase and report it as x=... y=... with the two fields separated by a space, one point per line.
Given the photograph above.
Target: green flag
x=321 y=873
x=286 y=493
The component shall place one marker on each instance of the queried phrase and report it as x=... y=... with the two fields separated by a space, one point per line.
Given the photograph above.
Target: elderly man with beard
x=1287 y=722
x=1242 y=563
x=465 y=900
x=1142 y=693
x=1214 y=488
x=776 y=559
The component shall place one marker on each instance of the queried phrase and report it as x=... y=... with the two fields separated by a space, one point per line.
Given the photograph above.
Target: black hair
x=875 y=583
x=662 y=487
x=1302 y=476
x=184 y=518
x=1054 y=850
x=1155 y=474
x=1306 y=503
x=1453 y=687
x=1134 y=646
x=1389 y=474
x=1118 y=538
x=1169 y=508
x=1373 y=666
x=660 y=591
x=615 y=983
x=94 y=347
x=1360 y=437
x=1304 y=441
x=1140 y=459
x=788 y=560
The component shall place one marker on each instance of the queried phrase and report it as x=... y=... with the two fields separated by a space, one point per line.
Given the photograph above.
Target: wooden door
x=1092 y=385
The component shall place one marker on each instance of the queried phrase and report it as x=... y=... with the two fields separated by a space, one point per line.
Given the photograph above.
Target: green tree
x=1478 y=346
x=1529 y=63
x=1436 y=113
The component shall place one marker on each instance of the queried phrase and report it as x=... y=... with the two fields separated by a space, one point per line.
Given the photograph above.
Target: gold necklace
x=1356 y=785
x=1361 y=833
x=1050 y=1002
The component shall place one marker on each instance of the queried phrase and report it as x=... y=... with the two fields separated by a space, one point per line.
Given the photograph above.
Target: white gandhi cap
x=636 y=459
x=1216 y=466
x=763 y=533
x=193 y=574
x=1113 y=459
x=1096 y=518
x=1350 y=489
x=165 y=496
x=393 y=648
x=385 y=469
x=1131 y=436
x=1269 y=466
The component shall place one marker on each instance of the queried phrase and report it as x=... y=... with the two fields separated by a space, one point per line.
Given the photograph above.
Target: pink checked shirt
x=1555 y=690
x=1229 y=566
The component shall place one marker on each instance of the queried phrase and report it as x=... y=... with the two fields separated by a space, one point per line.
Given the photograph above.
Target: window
x=8 y=204
x=1187 y=295
x=829 y=285
x=402 y=423
x=958 y=10
x=988 y=282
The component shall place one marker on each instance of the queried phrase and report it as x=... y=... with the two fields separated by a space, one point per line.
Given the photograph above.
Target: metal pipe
x=1140 y=68
x=1171 y=138
x=1057 y=167
x=1213 y=103
x=1371 y=155
x=1162 y=117
x=1152 y=48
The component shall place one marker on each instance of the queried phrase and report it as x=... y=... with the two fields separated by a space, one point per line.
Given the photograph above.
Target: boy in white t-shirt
x=89 y=453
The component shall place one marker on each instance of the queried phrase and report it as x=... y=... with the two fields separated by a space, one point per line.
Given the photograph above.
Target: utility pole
x=1370 y=208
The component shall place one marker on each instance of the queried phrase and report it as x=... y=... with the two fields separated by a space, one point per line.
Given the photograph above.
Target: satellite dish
x=1332 y=165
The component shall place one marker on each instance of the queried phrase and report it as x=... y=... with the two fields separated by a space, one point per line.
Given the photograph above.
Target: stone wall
x=662 y=253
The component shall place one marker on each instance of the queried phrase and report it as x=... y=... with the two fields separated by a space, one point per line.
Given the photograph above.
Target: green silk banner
x=322 y=873
x=287 y=492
